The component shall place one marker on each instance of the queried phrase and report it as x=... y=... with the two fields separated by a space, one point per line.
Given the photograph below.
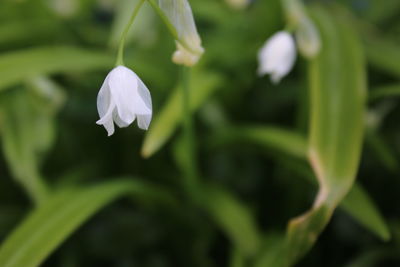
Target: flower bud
x=277 y=56
x=179 y=14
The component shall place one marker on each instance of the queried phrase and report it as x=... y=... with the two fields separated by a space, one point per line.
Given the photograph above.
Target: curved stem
x=120 y=60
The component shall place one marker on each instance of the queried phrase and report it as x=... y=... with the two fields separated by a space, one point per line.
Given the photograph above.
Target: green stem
x=120 y=56
x=192 y=178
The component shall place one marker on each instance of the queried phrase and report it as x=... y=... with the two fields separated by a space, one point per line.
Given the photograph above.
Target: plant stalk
x=120 y=55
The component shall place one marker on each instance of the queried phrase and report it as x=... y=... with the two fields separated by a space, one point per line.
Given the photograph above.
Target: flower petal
x=145 y=96
x=123 y=87
x=144 y=116
x=143 y=121
x=277 y=56
x=118 y=120
x=107 y=120
x=103 y=98
x=109 y=125
x=184 y=57
x=180 y=16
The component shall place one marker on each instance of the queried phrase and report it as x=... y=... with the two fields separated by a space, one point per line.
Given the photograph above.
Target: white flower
x=123 y=97
x=308 y=39
x=277 y=56
x=185 y=57
x=188 y=47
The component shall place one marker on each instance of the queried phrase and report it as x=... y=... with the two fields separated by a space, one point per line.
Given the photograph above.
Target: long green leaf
x=383 y=54
x=338 y=93
x=237 y=259
x=234 y=218
x=48 y=226
x=360 y=206
x=202 y=85
x=392 y=90
x=20 y=65
x=269 y=137
x=27 y=130
x=293 y=144
x=271 y=254
x=26 y=31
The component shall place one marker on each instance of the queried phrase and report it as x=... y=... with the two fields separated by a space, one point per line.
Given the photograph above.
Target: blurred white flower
x=307 y=38
x=64 y=8
x=238 y=4
x=179 y=13
x=123 y=97
x=277 y=56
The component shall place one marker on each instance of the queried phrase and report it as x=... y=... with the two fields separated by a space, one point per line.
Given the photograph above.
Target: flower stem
x=192 y=177
x=120 y=56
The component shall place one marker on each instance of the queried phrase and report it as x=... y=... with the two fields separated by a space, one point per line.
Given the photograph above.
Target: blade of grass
x=20 y=65
x=278 y=140
x=48 y=226
x=386 y=91
x=338 y=93
x=234 y=218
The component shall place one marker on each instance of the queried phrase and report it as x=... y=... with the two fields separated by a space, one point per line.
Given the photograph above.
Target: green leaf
x=48 y=226
x=28 y=131
x=386 y=91
x=383 y=54
x=382 y=151
x=271 y=254
x=268 y=137
x=293 y=144
x=20 y=65
x=202 y=85
x=234 y=219
x=338 y=93
x=26 y=31
x=380 y=12
x=237 y=259
x=354 y=205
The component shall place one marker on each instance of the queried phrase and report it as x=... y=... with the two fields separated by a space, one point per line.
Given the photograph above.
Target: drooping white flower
x=307 y=37
x=185 y=57
x=188 y=47
x=122 y=98
x=277 y=56
x=307 y=34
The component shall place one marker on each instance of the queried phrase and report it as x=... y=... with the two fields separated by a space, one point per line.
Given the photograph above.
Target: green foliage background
x=71 y=196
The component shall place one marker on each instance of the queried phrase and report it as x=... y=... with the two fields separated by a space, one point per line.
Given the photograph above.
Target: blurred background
x=249 y=135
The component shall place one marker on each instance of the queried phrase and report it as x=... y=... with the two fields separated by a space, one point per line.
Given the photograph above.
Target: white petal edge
x=107 y=120
x=103 y=98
